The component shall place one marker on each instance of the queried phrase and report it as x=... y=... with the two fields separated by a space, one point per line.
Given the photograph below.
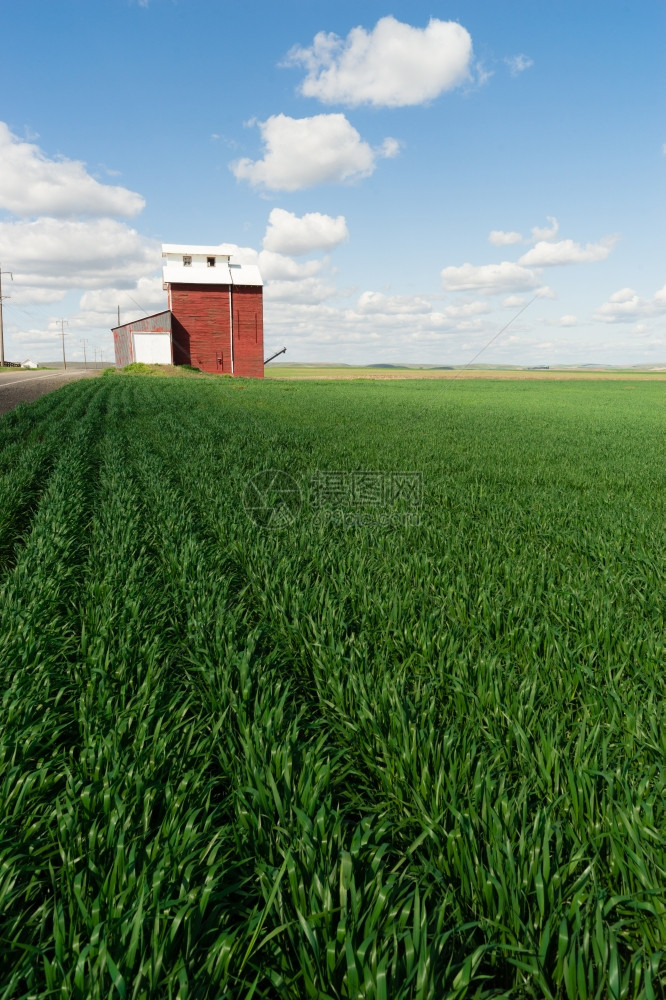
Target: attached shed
x=148 y=340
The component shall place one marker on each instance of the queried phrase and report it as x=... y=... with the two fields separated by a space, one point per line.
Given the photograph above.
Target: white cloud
x=390 y=148
x=626 y=305
x=372 y=303
x=240 y=255
x=491 y=278
x=44 y=344
x=65 y=254
x=481 y=75
x=513 y=301
x=277 y=267
x=546 y=254
x=393 y=65
x=100 y=307
x=286 y=280
x=499 y=238
x=31 y=295
x=568 y=320
x=518 y=64
x=31 y=184
x=302 y=152
x=379 y=328
x=304 y=291
x=624 y=295
x=324 y=332
x=467 y=310
x=547 y=232
x=97 y=314
x=289 y=234
x=38 y=338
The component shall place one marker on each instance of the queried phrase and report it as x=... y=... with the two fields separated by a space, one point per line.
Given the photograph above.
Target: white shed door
x=152 y=348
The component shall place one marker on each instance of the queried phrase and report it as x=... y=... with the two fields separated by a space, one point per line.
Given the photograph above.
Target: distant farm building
x=214 y=317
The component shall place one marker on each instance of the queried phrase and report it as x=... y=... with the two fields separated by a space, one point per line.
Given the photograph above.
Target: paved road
x=24 y=387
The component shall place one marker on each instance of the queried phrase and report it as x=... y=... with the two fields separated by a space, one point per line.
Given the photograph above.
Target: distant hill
x=479 y=366
x=311 y=364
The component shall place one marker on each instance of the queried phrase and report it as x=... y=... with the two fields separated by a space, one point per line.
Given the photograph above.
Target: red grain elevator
x=216 y=306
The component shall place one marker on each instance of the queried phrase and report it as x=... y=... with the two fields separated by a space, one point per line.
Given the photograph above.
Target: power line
x=493 y=339
x=21 y=309
x=144 y=311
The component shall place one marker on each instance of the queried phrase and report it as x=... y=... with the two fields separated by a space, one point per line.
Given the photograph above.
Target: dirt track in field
x=27 y=386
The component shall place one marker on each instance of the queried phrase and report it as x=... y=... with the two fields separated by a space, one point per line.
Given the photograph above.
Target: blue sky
x=408 y=177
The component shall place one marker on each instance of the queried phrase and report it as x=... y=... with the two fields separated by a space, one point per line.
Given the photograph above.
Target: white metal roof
x=245 y=274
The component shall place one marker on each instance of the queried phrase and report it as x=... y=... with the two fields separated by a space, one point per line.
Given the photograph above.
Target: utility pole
x=95 y=349
x=118 y=315
x=62 y=334
x=85 y=361
x=2 y=342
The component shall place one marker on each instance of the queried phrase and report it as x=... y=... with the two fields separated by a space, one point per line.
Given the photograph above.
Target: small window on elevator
x=187 y=261
x=210 y=261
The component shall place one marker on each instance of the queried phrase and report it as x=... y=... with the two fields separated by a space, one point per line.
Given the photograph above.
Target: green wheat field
x=333 y=690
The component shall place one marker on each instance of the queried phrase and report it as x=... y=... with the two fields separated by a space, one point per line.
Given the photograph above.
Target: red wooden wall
x=200 y=328
x=247 y=304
